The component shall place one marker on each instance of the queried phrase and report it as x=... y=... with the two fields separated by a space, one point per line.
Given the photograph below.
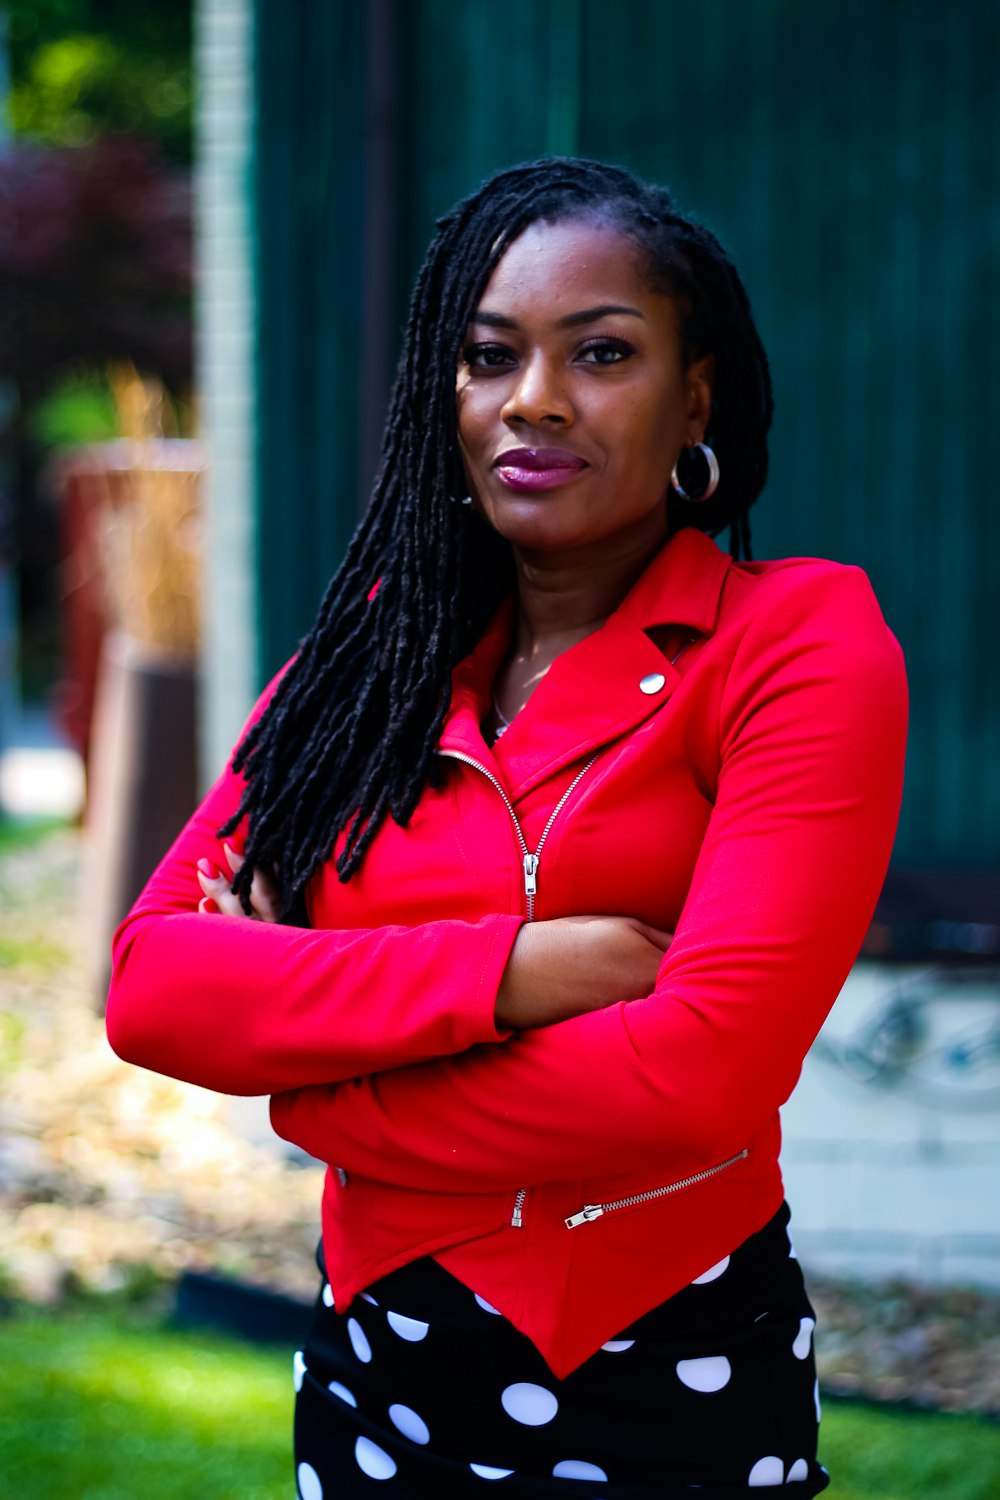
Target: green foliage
x=81 y=86
x=110 y=1405
x=81 y=409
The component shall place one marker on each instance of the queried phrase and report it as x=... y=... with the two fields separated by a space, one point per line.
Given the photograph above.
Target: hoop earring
x=713 y=476
x=465 y=500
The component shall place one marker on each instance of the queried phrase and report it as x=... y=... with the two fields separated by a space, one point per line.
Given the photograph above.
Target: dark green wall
x=849 y=155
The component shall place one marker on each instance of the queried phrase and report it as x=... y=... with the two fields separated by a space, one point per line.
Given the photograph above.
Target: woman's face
x=574 y=400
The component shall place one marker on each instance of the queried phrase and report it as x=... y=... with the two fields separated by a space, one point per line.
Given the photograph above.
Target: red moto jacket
x=724 y=759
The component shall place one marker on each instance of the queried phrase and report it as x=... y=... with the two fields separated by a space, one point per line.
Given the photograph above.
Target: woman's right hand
x=571 y=965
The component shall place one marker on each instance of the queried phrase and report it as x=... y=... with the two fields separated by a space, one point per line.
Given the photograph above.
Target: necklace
x=501 y=716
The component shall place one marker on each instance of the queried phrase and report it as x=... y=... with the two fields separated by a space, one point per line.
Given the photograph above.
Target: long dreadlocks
x=350 y=732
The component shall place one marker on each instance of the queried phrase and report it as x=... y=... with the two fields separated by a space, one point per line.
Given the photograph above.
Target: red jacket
x=724 y=759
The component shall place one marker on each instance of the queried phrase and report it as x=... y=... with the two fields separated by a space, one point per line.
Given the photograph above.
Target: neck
x=563 y=597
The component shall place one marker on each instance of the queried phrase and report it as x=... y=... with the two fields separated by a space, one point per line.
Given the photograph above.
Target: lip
x=538 y=468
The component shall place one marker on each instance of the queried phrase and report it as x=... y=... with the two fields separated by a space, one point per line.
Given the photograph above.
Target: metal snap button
x=651 y=683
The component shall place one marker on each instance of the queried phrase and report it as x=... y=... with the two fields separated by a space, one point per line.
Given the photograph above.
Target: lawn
x=111 y=1405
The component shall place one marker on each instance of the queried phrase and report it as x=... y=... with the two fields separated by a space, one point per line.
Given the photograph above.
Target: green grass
x=98 y=1407
x=22 y=833
x=897 y=1455
x=108 y=1405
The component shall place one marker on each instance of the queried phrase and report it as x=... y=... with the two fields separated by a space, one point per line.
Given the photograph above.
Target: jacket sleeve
x=812 y=735
x=248 y=1007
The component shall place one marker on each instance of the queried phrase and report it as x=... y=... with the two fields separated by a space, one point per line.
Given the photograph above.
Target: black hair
x=350 y=732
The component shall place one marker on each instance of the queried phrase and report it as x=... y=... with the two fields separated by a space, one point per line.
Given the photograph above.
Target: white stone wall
x=225 y=366
x=901 y=1177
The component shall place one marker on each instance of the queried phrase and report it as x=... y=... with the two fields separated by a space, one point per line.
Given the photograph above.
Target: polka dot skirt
x=426 y=1390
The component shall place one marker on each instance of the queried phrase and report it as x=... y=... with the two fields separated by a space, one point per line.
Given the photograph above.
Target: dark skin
x=570 y=354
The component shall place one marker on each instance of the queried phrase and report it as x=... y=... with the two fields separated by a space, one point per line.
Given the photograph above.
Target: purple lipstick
x=538 y=468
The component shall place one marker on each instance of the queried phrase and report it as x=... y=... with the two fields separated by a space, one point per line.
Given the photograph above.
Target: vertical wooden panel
x=310 y=76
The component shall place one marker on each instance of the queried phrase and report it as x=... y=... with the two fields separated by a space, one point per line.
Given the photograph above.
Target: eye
x=487 y=356
x=605 y=351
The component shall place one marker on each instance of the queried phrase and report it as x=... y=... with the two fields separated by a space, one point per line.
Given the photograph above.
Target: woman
x=587 y=821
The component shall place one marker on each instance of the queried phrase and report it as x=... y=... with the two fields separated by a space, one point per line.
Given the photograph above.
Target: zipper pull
x=530 y=874
x=517 y=1217
x=592 y=1211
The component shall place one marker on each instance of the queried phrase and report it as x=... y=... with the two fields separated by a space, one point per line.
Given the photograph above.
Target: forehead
x=554 y=269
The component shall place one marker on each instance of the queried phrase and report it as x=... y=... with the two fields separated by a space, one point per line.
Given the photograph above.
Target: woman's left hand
x=218 y=898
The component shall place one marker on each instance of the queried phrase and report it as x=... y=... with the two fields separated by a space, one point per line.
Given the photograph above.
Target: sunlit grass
x=109 y=1405
x=98 y=1408
x=898 y=1455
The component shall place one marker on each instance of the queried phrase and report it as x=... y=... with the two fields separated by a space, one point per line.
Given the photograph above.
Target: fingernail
x=206 y=904
x=207 y=868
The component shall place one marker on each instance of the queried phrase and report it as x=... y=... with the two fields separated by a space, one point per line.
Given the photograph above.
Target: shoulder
x=812 y=628
x=811 y=597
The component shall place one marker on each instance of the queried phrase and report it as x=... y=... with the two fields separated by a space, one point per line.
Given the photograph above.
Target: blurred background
x=210 y=219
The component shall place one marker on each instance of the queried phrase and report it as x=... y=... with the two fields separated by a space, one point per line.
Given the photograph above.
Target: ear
x=699 y=378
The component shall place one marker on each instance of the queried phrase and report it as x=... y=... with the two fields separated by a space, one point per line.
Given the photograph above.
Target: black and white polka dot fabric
x=425 y=1390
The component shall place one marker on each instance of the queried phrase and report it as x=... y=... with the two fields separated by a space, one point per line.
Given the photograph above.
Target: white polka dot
x=488 y=1307
x=803 y=1339
x=799 y=1470
x=367 y=1296
x=575 y=1468
x=709 y=1374
x=819 y=1412
x=359 y=1343
x=713 y=1272
x=328 y=1295
x=531 y=1404
x=616 y=1346
x=309 y=1485
x=405 y=1419
x=298 y=1369
x=410 y=1329
x=373 y=1460
x=342 y=1391
x=485 y=1472
x=768 y=1470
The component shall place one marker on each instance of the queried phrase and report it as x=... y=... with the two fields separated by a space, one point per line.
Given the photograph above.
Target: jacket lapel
x=599 y=689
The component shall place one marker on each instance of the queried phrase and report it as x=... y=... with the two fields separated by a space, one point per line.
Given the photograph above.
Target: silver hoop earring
x=713 y=476
x=465 y=500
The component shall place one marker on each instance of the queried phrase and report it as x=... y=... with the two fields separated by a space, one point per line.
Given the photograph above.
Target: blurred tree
x=95 y=263
x=83 y=68
x=95 y=249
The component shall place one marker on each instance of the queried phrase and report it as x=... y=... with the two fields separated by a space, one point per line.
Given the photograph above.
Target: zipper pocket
x=529 y=860
x=597 y=1210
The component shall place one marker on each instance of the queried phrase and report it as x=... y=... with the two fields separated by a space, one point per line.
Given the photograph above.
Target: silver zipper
x=596 y=1210
x=529 y=861
x=529 y=864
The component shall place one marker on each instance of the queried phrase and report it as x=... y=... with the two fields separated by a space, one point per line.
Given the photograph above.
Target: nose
x=538 y=396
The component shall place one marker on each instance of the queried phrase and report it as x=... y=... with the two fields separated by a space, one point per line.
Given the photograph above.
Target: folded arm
x=250 y=1007
x=812 y=738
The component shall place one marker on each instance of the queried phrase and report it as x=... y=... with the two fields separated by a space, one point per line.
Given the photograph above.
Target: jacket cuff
x=504 y=932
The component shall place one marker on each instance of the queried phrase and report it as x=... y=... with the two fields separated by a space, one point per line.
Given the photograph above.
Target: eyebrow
x=571 y=320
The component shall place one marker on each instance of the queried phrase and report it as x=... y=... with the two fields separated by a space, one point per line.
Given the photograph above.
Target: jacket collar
x=591 y=694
